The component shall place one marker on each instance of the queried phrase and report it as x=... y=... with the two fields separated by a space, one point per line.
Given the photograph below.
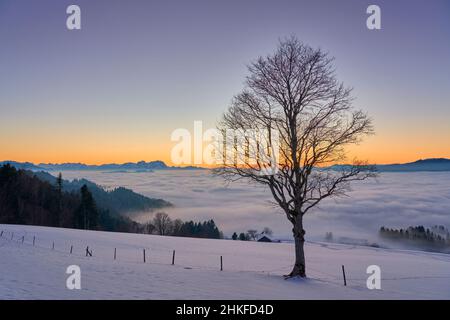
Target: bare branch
x=295 y=93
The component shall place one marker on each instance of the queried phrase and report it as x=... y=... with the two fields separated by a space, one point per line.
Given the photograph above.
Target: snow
x=252 y=270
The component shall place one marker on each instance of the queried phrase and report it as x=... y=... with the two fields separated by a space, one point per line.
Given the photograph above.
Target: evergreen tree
x=59 y=189
x=234 y=236
x=87 y=214
x=26 y=199
x=242 y=236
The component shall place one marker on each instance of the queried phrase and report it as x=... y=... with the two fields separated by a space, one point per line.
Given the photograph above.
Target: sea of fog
x=393 y=199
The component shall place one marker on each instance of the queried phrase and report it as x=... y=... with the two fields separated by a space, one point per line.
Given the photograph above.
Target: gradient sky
x=115 y=90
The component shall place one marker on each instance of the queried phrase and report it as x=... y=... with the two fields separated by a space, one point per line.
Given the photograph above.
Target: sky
x=115 y=90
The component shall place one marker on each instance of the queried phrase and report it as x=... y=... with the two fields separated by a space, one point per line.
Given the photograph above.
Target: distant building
x=264 y=239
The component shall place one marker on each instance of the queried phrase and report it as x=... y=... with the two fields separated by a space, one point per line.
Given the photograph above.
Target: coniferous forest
x=25 y=198
x=437 y=237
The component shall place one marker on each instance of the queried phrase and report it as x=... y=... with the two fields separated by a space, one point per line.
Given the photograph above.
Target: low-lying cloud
x=393 y=200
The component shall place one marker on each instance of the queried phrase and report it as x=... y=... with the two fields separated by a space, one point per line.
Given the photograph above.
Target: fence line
x=89 y=254
x=89 y=251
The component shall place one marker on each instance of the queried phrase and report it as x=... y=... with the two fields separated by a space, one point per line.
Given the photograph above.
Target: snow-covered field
x=251 y=270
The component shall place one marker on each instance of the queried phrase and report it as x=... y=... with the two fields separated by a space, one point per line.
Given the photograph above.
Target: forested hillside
x=26 y=199
x=117 y=201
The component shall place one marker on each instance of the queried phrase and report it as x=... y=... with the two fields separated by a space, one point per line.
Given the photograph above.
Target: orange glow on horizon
x=374 y=153
x=113 y=147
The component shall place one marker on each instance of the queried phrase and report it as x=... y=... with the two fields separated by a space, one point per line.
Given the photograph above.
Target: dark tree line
x=252 y=234
x=206 y=229
x=163 y=225
x=439 y=235
x=118 y=201
x=25 y=199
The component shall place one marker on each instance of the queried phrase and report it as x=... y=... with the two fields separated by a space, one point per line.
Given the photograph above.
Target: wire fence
x=128 y=254
x=155 y=256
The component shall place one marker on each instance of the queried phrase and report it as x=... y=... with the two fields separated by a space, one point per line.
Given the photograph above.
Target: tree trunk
x=299 y=238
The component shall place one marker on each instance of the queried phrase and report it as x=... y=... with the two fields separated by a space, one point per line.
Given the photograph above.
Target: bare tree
x=149 y=228
x=162 y=223
x=252 y=233
x=295 y=96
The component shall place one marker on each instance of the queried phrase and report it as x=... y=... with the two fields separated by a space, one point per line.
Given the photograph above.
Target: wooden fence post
x=1 y=234
x=12 y=235
x=71 y=249
x=221 y=263
x=23 y=239
x=144 y=255
x=88 y=253
x=343 y=273
x=173 y=257
x=115 y=253
x=34 y=240
x=53 y=245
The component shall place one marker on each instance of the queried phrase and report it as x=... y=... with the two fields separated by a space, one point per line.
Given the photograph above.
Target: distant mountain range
x=22 y=165
x=435 y=164
x=129 y=166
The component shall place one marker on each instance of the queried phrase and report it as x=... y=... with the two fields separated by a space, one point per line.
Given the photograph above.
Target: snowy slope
x=251 y=270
